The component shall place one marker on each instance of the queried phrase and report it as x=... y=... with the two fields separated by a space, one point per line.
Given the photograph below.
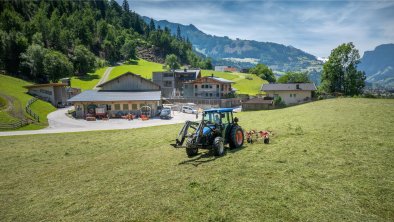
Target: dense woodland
x=48 y=40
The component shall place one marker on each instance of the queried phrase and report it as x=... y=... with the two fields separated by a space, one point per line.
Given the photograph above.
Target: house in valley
x=125 y=94
x=291 y=93
x=208 y=87
x=171 y=82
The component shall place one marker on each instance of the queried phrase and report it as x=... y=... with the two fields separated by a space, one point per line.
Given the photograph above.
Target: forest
x=47 y=40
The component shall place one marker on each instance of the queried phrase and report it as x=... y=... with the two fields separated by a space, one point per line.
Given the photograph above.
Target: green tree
x=152 y=26
x=33 y=60
x=128 y=50
x=125 y=6
x=340 y=74
x=84 y=61
x=172 y=62
x=57 y=65
x=294 y=77
x=264 y=72
x=178 y=33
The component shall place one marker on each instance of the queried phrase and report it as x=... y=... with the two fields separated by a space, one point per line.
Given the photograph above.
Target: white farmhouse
x=291 y=93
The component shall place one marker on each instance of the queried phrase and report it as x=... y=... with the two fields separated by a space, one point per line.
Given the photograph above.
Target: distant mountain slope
x=378 y=65
x=278 y=57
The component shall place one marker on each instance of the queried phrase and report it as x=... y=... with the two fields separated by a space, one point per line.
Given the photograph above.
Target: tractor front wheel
x=218 y=146
x=190 y=149
x=236 y=137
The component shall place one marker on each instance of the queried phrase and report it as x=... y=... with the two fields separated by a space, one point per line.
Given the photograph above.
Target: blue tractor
x=217 y=128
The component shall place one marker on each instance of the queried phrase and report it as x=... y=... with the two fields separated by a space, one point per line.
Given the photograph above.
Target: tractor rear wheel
x=218 y=146
x=236 y=137
x=190 y=149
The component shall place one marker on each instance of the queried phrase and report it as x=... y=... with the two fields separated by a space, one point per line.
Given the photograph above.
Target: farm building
x=208 y=87
x=291 y=93
x=257 y=104
x=171 y=82
x=123 y=95
x=54 y=93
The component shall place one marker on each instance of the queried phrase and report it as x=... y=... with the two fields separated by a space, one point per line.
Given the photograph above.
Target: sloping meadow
x=329 y=160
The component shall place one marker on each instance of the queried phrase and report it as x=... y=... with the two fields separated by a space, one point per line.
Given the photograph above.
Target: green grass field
x=14 y=87
x=142 y=67
x=89 y=81
x=241 y=83
x=330 y=160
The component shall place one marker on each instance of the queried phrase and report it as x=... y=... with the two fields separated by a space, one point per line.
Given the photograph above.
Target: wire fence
x=14 y=125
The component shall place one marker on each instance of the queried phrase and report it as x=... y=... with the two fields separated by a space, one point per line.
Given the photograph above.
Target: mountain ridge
x=277 y=56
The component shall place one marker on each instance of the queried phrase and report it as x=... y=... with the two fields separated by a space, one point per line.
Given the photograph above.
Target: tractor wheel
x=218 y=146
x=266 y=140
x=236 y=137
x=190 y=149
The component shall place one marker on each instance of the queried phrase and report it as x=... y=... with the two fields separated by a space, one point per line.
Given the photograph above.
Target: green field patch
x=88 y=81
x=141 y=67
x=330 y=160
x=13 y=88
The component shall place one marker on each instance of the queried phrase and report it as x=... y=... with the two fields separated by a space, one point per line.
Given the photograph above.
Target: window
x=210 y=94
x=117 y=106
x=210 y=86
x=291 y=95
x=195 y=94
x=109 y=107
x=134 y=106
x=217 y=86
x=195 y=86
x=167 y=83
x=206 y=94
x=125 y=106
x=217 y=94
x=294 y=95
x=202 y=86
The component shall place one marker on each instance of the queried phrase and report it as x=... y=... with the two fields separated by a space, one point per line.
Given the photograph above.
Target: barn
x=125 y=94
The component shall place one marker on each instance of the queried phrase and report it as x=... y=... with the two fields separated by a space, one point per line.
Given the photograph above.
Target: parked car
x=165 y=113
x=188 y=109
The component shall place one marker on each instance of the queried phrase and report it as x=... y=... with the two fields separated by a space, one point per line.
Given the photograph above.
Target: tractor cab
x=217 y=128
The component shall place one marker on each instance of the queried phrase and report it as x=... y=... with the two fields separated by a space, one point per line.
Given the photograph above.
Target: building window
x=134 y=106
x=291 y=95
x=202 y=86
x=117 y=106
x=195 y=86
x=195 y=94
x=125 y=106
x=210 y=86
x=206 y=94
x=217 y=86
x=210 y=94
x=217 y=94
x=294 y=95
x=109 y=107
x=167 y=83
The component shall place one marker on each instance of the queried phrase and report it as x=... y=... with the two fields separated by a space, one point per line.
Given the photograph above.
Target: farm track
x=105 y=77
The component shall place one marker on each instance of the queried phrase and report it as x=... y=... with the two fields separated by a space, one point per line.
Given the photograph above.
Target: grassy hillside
x=331 y=160
x=13 y=87
x=242 y=84
x=142 y=67
x=89 y=81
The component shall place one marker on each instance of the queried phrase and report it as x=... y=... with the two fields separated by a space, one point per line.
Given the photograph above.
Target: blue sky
x=313 y=26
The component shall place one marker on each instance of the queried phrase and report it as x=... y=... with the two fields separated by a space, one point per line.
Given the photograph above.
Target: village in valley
x=122 y=110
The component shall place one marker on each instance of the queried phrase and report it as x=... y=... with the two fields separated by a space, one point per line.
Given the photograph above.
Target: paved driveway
x=59 y=122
